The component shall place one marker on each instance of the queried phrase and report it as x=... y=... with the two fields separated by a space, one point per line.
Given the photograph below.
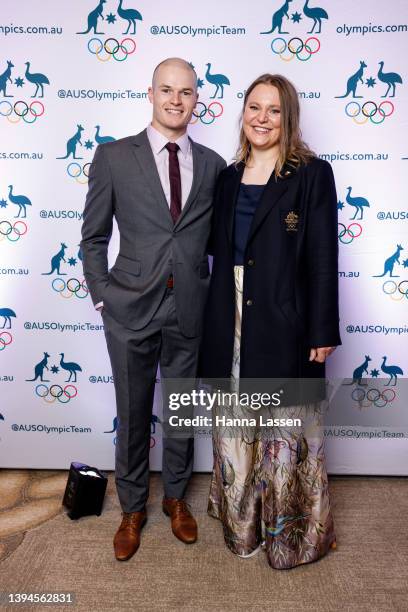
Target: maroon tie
x=175 y=181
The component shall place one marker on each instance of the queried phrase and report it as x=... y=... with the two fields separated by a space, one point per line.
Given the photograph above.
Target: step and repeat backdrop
x=73 y=75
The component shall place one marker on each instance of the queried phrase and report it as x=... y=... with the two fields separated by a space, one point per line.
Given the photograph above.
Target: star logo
x=3 y=204
x=19 y=82
x=405 y=263
x=296 y=17
x=111 y=18
x=89 y=144
x=55 y=369
x=340 y=205
x=72 y=261
x=370 y=82
x=200 y=82
x=375 y=373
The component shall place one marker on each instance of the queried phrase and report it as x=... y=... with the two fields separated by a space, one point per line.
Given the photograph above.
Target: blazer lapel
x=233 y=189
x=145 y=158
x=273 y=192
x=199 y=165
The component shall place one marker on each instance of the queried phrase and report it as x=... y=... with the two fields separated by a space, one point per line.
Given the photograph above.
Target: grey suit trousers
x=135 y=356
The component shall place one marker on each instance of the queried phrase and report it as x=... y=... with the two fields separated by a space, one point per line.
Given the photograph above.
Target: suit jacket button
x=249 y=302
x=251 y=262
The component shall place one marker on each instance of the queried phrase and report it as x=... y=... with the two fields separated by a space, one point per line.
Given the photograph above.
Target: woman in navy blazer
x=272 y=312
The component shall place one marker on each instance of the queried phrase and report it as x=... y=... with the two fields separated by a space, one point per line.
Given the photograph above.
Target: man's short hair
x=175 y=60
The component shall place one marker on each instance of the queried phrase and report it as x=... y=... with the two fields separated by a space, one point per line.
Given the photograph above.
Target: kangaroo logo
x=374 y=112
x=56 y=392
x=72 y=144
x=80 y=171
x=316 y=14
x=70 y=367
x=56 y=261
x=277 y=18
x=114 y=426
x=7 y=314
x=39 y=369
x=390 y=263
x=296 y=46
x=352 y=82
x=28 y=110
x=4 y=78
x=112 y=48
x=73 y=286
x=373 y=395
x=93 y=19
x=359 y=371
x=219 y=80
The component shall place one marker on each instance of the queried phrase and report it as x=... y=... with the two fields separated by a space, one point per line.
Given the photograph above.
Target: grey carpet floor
x=367 y=572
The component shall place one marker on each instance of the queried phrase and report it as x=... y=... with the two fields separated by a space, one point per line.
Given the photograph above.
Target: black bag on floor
x=85 y=491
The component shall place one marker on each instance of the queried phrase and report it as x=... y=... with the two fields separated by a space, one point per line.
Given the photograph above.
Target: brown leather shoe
x=127 y=538
x=183 y=523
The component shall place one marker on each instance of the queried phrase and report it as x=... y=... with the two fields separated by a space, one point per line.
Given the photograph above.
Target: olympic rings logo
x=21 y=110
x=365 y=399
x=346 y=234
x=5 y=339
x=70 y=288
x=369 y=111
x=12 y=232
x=78 y=172
x=207 y=114
x=111 y=48
x=296 y=48
x=56 y=392
x=397 y=292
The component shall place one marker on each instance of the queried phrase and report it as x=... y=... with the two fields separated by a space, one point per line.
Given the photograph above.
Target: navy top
x=248 y=199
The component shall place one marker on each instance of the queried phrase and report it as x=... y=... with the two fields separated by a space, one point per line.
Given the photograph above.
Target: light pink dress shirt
x=161 y=157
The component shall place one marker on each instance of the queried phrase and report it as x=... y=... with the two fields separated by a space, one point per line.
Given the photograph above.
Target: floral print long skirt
x=269 y=485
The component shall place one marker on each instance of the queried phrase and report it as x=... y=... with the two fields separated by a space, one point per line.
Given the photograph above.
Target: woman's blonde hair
x=292 y=149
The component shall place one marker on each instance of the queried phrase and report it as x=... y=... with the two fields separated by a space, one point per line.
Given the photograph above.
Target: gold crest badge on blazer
x=292 y=220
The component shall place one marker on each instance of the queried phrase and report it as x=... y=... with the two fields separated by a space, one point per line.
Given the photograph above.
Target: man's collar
x=158 y=141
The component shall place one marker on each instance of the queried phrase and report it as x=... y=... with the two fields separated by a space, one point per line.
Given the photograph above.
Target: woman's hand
x=320 y=354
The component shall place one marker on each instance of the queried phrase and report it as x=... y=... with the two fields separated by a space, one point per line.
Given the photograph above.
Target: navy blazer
x=290 y=292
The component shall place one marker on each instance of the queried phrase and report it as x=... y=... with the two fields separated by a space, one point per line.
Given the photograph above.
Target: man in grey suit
x=158 y=185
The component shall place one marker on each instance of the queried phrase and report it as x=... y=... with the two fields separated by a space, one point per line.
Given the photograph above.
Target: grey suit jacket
x=124 y=182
